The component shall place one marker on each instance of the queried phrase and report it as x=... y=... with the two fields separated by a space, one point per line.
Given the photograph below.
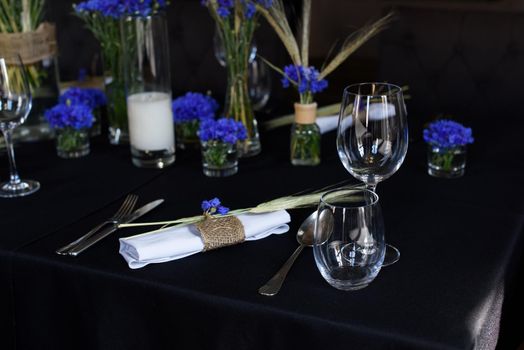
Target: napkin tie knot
x=221 y=232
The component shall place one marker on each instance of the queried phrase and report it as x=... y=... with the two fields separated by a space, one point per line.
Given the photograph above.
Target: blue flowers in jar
x=218 y=139
x=447 y=141
x=93 y=98
x=305 y=133
x=71 y=123
x=188 y=111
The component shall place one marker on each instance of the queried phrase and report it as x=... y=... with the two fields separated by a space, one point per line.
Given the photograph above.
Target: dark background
x=463 y=58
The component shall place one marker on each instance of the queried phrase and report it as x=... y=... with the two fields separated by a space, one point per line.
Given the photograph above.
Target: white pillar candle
x=150 y=117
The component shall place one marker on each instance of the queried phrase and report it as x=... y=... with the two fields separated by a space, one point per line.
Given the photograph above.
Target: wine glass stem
x=14 y=178
x=371 y=187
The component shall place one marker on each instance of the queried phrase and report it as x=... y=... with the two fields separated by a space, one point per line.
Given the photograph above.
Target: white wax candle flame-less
x=150 y=117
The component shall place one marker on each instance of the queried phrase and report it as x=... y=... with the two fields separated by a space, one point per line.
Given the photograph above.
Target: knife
x=110 y=229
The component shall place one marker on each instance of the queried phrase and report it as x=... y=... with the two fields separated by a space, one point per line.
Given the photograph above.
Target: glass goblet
x=15 y=104
x=349 y=243
x=372 y=136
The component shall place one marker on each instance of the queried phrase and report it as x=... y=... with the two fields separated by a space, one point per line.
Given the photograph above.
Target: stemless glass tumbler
x=148 y=90
x=349 y=243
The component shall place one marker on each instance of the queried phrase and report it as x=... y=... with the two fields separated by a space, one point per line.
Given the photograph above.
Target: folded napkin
x=327 y=123
x=178 y=242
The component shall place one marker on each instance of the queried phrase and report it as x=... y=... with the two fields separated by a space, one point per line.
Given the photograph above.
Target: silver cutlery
x=79 y=248
x=304 y=238
x=127 y=207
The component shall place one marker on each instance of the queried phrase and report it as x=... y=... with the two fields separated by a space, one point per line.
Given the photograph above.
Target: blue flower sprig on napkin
x=305 y=79
x=193 y=106
x=224 y=130
x=75 y=116
x=120 y=8
x=447 y=134
x=213 y=206
x=93 y=98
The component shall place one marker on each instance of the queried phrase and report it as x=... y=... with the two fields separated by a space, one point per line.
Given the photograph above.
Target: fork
x=126 y=208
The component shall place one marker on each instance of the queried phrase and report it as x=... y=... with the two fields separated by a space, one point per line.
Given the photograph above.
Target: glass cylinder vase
x=238 y=105
x=305 y=136
x=446 y=162
x=219 y=159
x=148 y=89
x=72 y=143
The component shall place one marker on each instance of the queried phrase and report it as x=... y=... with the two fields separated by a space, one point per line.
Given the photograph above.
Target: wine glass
x=372 y=136
x=15 y=104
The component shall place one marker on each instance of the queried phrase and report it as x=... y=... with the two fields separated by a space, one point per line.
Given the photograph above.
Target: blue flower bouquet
x=71 y=123
x=447 y=142
x=188 y=112
x=218 y=140
x=93 y=98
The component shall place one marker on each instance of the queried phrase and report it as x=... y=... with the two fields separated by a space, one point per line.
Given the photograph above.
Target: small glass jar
x=186 y=134
x=219 y=159
x=72 y=143
x=446 y=162
x=305 y=136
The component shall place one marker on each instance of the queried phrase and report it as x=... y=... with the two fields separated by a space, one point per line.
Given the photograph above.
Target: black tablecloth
x=460 y=240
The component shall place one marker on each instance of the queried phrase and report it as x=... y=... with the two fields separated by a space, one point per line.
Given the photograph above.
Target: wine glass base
x=23 y=188
x=392 y=255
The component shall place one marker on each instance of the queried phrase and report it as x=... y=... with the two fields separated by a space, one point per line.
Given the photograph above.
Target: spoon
x=304 y=238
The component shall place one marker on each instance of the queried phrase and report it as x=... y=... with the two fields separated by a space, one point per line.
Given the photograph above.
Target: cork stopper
x=305 y=113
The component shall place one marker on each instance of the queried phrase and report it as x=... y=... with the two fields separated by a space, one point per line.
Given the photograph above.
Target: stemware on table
x=372 y=136
x=15 y=105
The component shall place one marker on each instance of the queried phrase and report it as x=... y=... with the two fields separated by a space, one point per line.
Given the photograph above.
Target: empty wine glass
x=349 y=238
x=372 y=138
x=15 y=104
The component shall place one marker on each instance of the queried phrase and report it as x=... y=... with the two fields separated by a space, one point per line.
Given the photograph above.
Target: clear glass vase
x=238 y=103
x=219 y=159
x=148 y=90
x=305 y=136
x=72 y=143
x=446 y=162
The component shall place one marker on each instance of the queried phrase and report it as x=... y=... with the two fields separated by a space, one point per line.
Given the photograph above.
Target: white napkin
x=178 y=242
x=327 y=123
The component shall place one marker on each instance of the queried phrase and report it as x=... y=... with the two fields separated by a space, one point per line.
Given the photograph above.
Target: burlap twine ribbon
x=31 y=46
x=221 y=232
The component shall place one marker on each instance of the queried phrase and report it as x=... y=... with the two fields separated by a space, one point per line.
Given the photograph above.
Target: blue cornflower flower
x=213 y=206
x=447 y=134
x=93 y=98
x=118 y=8
x=193 y=106
x=225 y=130
x=76 y=116
x=306 y=79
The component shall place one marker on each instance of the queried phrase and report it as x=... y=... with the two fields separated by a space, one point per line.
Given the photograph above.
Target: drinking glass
x=15 y=104
x=372 y=136
x=349 y=243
